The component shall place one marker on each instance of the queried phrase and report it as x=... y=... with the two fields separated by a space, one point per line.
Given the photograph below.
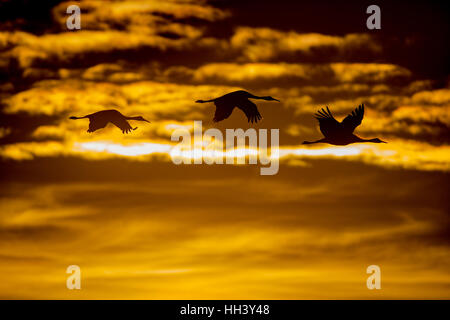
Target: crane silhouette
x=226 y=103
x=341 y=133
x=100 y=119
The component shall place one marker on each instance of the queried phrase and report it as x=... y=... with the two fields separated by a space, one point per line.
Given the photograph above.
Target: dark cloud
x=411 y=32
x=27 y=15
x=20 y=126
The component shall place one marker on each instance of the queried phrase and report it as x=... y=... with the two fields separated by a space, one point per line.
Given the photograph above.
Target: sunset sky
x=141 y=227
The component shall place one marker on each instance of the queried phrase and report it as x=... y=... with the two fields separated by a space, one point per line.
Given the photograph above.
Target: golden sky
x=141 y=227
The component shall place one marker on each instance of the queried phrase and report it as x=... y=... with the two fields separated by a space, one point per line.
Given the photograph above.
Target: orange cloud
x=137 y=14
x=263 y=44
x=337 y=72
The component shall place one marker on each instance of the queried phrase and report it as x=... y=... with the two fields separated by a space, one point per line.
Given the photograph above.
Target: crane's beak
x=276 y=100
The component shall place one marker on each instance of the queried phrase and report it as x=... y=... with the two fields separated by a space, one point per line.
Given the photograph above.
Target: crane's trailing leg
x=128 y=130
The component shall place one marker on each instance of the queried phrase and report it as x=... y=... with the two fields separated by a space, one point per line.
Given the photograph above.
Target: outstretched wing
x=250 y=110
x=96 y=123
x=122 y=124
x=354 y=119
x=329 y=126
x=223 y=110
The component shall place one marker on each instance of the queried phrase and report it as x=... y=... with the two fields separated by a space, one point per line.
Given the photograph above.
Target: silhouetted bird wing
x=121 y=123
x=250 y=110
x=223 y=110
x=96 y=123
x=329 y=126
x=353 y=119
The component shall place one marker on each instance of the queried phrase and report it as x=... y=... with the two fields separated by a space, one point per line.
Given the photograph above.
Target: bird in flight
x=226 y=103
x=100 y=119
x=341 y=133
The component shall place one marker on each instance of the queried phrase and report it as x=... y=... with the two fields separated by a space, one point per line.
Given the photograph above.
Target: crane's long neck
x=137 y=118
x=77 y=118
x=204 y=101
x=260 y=98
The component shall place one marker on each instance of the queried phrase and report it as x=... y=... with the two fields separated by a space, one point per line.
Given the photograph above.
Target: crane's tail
x=76 y=118
x=204 y=101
